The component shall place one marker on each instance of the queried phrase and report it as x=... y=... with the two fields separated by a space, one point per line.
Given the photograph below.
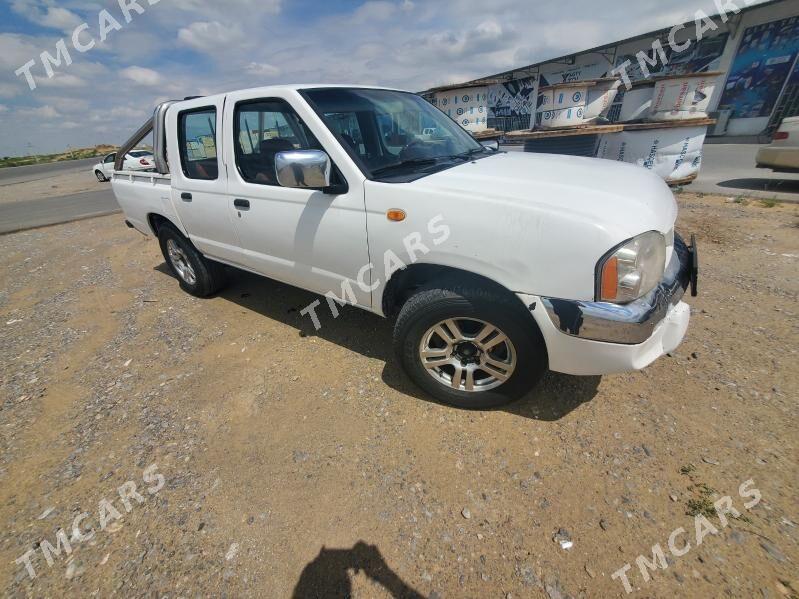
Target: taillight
x=780 y=135
x=144 y=162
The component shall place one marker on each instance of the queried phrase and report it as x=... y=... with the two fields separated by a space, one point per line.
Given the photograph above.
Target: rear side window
x=263 y=129
x=197 y=139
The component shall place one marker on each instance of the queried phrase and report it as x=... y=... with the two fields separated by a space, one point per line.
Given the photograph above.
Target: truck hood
x=622 y=199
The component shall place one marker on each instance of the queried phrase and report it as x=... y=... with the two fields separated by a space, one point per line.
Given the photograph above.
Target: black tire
x=431 y=306
x=208 y=276
x=100 y=176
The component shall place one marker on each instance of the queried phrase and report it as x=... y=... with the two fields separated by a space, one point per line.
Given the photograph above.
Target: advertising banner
x=674 y=153
x=762 y=64
x=466 y=106
x=511 y=104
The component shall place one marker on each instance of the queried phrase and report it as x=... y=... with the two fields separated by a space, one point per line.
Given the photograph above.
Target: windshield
x=393 y=135
x=140 y=153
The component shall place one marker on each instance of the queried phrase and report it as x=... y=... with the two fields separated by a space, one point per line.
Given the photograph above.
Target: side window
x=262 y=130
x=110 y=158
x=197 y=139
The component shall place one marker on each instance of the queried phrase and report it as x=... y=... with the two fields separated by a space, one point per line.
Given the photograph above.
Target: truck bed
x=140 y=194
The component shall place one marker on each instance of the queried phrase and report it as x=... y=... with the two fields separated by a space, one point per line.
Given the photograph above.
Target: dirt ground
x=59 y=184
x=306 y=463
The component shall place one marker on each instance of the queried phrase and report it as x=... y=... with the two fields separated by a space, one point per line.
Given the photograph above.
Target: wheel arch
x=156 y=221
x=403 y=283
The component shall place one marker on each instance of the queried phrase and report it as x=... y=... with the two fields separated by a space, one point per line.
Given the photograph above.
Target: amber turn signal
x=610 y=280
x=396 y=215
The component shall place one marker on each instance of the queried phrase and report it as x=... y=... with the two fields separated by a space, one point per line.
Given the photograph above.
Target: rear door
x=199 y=181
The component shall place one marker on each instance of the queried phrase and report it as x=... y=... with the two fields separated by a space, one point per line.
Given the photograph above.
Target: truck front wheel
x=197 y=275
x=469 y=347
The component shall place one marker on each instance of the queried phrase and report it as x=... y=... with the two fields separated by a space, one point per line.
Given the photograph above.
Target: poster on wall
x=466 y=106
x=763 y=62
x=510 y=104
x=699 y=57
x=592 y=65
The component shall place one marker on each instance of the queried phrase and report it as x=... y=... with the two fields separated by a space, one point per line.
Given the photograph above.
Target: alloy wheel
x=467 y=354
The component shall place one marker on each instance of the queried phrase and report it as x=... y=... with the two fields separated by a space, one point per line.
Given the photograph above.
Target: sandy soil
x=60 y=184
x=307 y=464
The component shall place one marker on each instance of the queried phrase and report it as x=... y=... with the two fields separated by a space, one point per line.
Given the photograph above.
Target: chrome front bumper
x=631 y=323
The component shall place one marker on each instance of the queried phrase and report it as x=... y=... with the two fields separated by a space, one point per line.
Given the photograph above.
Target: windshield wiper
x=473 y=152
x=465 y=156
x=405 y=163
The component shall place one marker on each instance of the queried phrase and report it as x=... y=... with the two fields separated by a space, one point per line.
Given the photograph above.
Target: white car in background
x=135 y=160
x=782 y=154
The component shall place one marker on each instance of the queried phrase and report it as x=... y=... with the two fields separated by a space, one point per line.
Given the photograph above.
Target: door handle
x=186 y=197
x=242 y=204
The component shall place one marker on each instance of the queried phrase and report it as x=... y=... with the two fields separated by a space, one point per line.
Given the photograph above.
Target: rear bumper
x=589 y=338
x=776 y=157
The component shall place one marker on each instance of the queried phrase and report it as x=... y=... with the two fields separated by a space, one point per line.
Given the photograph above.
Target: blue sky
x=192 y=47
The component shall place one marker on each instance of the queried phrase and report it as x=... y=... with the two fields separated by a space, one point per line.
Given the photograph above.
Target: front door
x=199 y=183
x=303 y=237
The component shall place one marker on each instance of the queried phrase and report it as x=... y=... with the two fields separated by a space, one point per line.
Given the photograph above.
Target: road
x=729 y=169
x=17 y=216
x=36 y=172
x=27 y=214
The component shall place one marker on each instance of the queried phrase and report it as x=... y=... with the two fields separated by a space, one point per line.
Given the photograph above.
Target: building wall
x=717 y=51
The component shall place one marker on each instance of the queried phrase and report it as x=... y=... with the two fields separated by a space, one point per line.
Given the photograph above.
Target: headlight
x=633 y=269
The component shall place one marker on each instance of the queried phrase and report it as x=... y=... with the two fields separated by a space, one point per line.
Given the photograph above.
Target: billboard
x=763 y=62
x=701 y=56
x=510 y=104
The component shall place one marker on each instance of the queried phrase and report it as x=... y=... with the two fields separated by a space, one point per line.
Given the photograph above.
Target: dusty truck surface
x=496 y=266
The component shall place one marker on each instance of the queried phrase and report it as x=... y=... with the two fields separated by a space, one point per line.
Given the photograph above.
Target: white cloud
x=209 y=36
x=46 y=112
x=262 y=69
x=141 y=75
x=46 y=15
x=374 y=10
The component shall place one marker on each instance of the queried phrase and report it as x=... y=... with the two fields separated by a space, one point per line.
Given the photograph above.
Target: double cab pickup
x=495 y=266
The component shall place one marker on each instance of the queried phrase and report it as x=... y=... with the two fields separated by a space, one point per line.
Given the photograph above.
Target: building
x=755 y=51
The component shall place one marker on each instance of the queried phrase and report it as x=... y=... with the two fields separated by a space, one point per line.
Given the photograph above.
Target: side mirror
x=303 y=169
x=490 y=145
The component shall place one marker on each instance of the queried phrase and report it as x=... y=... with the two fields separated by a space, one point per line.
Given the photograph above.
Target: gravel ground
x=305 y=463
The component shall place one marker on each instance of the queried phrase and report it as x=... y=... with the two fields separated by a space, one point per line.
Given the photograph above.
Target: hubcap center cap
x=467 y=351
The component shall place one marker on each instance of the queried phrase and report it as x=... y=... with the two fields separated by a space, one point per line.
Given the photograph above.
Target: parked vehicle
x=135 y=160
x=782 y=154
x=513 y=263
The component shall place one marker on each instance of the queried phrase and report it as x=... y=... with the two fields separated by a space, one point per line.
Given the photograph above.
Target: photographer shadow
x=329 y=574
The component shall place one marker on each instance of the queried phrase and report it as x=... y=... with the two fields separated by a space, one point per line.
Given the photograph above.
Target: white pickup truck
x=496 y=266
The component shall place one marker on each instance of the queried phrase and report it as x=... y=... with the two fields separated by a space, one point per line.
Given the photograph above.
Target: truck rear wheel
x=196 y=274
x=469 y=347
